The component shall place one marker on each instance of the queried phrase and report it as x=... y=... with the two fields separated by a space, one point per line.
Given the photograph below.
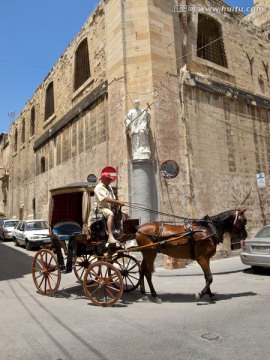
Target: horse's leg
x=204 y=263
x=142 y=274
x=147 y=268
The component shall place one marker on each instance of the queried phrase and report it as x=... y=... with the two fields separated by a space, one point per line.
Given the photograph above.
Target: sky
x=33 y=36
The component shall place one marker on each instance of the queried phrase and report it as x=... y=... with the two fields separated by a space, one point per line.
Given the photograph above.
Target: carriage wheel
x=46 y=272
x=129 y=268
x=103 y=283
x=81 y=264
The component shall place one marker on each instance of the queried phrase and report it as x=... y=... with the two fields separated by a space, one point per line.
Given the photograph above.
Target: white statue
x=137 y=126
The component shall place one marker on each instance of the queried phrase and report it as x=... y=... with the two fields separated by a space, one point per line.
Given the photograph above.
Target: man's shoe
x=112 y=240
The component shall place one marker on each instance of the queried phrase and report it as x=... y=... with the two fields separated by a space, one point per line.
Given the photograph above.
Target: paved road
x=69 y=327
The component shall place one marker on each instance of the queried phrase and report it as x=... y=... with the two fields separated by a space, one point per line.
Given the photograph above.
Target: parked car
x=6 y=227
x=31 y=233
x=256 y=251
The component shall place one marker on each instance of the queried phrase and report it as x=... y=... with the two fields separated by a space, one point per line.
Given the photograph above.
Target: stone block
x=173 y=263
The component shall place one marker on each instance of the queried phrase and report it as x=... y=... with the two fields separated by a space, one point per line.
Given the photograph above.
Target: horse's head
x=239 y=224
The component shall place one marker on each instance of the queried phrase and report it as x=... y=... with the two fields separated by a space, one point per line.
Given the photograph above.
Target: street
x=68 y=326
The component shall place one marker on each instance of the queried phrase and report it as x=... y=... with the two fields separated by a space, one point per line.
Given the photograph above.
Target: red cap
x=106 y=175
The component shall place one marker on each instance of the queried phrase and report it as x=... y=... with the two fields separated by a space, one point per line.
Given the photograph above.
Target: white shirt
x=101 y=193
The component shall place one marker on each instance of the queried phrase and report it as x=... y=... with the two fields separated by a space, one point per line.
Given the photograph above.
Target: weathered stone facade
x=211 y=118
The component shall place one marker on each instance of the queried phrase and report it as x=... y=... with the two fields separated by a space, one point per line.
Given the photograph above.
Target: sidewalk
x=218 y=266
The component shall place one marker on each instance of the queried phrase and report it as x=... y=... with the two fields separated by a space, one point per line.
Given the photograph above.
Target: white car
x=256 y=251
x=6 y=228
x=31 y=233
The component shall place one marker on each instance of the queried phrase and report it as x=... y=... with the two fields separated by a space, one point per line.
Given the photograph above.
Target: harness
x=188 y=234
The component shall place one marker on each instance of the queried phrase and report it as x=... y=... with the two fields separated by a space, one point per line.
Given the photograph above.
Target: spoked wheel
x=103 y=283
x=81 y=264
x=46 y=272
x=129 y=268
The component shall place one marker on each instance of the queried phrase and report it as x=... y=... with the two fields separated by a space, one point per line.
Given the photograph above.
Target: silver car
x=6 y=227
x=256 y=251
x=31 y=233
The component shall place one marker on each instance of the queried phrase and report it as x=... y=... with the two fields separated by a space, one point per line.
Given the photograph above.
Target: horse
x=196 y=239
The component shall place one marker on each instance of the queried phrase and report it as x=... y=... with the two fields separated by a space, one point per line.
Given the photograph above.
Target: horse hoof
x=145 y=298
x=158 y=300
x=198 y=297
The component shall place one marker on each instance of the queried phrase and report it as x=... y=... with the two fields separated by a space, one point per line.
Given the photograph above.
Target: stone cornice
x=227 y=90
x=99 y=91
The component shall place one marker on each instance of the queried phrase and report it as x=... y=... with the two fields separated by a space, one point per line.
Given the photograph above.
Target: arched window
x=49 y=101
x=23 y=131
x=32 y=121
x=209 y=40
x=42 y=165
x=82 y=64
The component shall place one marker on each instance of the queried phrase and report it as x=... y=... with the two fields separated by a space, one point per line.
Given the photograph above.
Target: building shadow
x=14 y=264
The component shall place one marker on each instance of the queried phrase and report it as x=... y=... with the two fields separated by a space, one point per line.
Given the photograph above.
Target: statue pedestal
x=142 y=190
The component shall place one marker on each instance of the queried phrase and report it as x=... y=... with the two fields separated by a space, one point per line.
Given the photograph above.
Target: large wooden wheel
x=46 y=272
x=81 y=264
x=129 y=268
x=103 y=283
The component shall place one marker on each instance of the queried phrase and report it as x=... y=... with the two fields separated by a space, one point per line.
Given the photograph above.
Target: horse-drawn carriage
x=104 y=272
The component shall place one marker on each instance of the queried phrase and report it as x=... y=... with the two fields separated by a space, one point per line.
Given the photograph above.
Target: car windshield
x=37 y=225
x=263 y=233
x=10 y=223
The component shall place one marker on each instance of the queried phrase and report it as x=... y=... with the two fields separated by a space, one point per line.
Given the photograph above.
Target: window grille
x=32 y=121
x=209 y=41
x=49 y=102
x=82 y=65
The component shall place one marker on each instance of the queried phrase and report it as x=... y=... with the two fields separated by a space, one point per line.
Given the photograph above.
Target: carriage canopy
x=71 y=202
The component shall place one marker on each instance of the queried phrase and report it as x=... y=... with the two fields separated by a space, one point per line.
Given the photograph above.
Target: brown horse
x=195 y=239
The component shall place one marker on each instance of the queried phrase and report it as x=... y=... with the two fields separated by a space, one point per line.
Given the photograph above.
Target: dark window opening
x=32 y=121
x=23 y=131
x=82 y=65
x=42 y=165
x=16 y=140
x=49 y=102
x=209 y=41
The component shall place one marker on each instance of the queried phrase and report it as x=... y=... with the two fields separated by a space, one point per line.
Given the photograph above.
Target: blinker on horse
x=196 y=240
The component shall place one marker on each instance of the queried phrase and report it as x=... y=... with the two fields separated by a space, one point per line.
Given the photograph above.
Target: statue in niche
x=137 y=125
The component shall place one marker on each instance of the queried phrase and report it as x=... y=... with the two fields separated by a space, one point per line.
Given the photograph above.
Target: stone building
x=204 y=70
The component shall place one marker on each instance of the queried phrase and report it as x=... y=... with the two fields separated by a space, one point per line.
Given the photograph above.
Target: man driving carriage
x=104 y=201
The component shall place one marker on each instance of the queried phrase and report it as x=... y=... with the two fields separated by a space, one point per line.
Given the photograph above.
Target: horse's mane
x=221 y=222
x=224 y=217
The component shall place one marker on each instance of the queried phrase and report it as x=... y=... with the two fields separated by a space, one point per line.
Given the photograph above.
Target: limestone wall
x=212 y=120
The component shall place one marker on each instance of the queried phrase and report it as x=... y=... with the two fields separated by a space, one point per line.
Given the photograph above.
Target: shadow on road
x=257 y=271
x=13 y=263
x=135 y=296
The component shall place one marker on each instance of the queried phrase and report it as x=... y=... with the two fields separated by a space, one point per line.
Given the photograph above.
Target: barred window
x=32 y=121
x=82 y=64
x=209 y=40
x=23 y=131
x=49 y=101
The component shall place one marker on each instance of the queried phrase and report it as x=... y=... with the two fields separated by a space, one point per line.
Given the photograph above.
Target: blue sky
x=33 y=35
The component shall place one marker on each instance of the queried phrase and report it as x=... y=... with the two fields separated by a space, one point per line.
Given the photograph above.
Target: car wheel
x=27 y=245
x=15 y=241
